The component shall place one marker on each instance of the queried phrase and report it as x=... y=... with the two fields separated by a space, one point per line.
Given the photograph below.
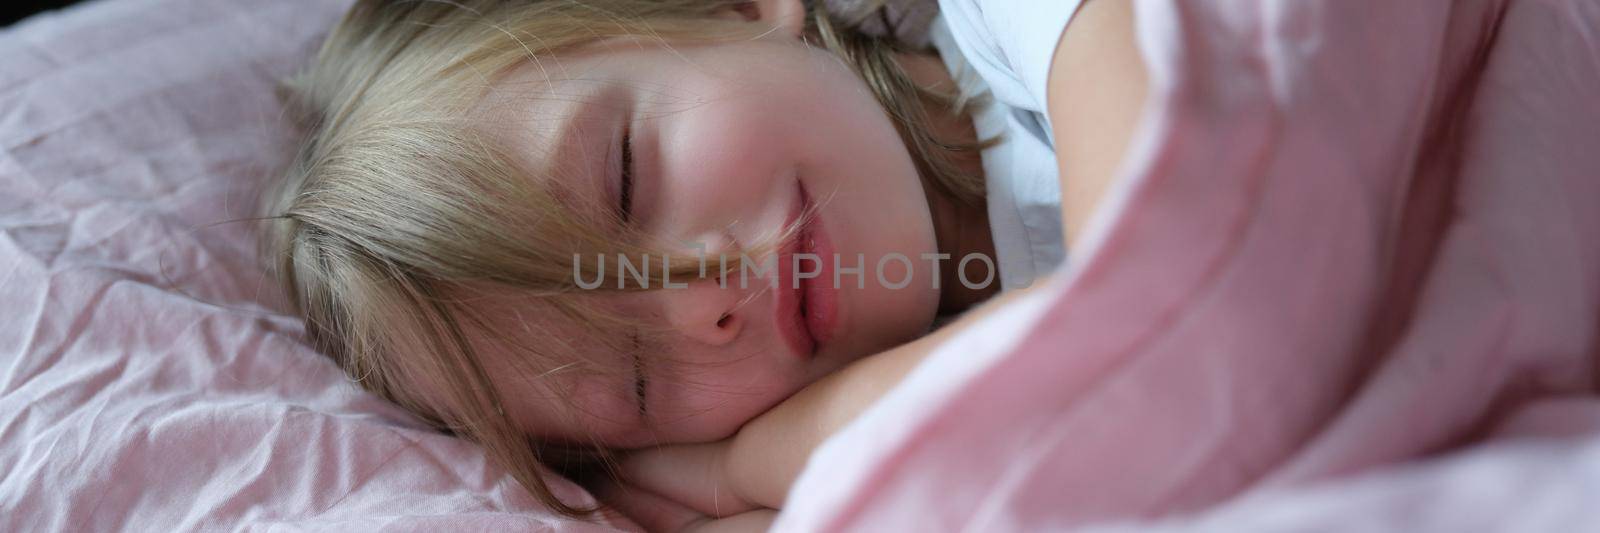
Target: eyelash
x=639 y=379
x=625 y=192
x=625 y=207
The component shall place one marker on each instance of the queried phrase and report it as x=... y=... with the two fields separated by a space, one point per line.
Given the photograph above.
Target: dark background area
x=13 y=11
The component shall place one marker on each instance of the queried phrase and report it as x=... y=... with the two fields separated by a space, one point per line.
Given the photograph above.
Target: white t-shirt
x=1004 y=48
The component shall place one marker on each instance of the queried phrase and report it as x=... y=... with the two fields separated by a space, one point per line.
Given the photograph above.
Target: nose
x=708 y=310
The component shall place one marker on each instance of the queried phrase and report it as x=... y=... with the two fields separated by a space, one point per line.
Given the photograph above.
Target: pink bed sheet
x=149 y=379
x=1350 y=235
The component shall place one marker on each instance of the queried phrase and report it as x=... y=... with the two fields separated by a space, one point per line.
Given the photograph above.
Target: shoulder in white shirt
x=1003 y=48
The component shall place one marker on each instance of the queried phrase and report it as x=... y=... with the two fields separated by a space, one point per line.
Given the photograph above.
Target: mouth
x=807 y=300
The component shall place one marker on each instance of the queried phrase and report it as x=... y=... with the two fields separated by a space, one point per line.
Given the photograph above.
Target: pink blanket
x=1350 y=235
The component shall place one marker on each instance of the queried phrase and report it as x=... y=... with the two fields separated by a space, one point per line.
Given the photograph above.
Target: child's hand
x=696 y=476
x=655 y=513
x=756 y=467
x=751 y=470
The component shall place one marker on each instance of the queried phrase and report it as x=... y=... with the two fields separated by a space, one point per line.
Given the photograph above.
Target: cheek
x=719 y=159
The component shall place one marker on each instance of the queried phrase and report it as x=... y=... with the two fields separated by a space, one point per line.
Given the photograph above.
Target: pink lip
x=806 y=313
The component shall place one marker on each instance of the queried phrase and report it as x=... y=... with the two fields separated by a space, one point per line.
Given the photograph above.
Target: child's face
x=724 y=139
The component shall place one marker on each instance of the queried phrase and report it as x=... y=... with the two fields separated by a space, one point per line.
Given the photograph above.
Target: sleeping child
x=680 y=242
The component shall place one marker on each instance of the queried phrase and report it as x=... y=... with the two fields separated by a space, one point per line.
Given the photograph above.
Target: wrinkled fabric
x=150 y=379
x=1348 y=236
x=1351 y=239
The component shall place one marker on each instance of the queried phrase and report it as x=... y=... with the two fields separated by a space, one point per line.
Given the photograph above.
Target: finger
x=747 y=522
x=650 y=511
x=692 y=475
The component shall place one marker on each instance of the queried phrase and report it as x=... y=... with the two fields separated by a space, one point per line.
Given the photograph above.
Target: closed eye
x=640 y=380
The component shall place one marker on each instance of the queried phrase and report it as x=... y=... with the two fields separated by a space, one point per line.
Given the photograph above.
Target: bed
x=1349 y=279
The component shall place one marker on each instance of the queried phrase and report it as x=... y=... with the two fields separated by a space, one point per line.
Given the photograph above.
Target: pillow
x=149 y=376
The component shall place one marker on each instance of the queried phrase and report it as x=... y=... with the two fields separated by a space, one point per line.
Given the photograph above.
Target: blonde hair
x=394 y=204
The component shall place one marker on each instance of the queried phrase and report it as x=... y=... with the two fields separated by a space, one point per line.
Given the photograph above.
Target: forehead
x=556 y=373
x=550 y=127
x=552 y=87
